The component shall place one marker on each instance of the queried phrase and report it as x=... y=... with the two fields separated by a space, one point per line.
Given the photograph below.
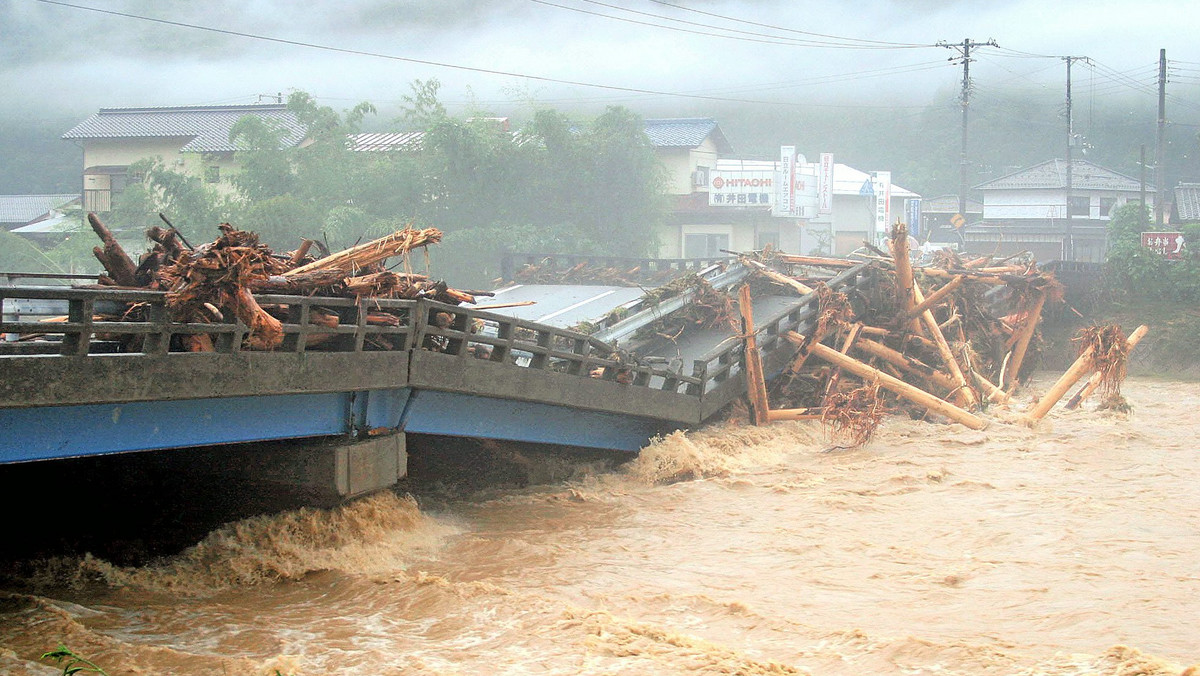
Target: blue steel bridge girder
x=52 y=432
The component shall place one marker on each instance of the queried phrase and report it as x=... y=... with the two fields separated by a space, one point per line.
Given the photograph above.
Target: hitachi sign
x=722 y=183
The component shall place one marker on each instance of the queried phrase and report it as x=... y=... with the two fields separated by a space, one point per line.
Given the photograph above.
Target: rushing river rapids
x=1073 y=548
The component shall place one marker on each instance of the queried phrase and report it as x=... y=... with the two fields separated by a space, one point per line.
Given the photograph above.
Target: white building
x=1033 y=210
x=723 y=204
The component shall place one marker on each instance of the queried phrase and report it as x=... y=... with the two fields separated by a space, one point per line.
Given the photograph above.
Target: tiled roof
x=206 y=127
x=665 y=133
x=685 y=132
x=25 y=208
x=948 y=204
x=1187 y=201
x=1053 y=174
x=59 y=223
x=849 y=181
x=409 y=140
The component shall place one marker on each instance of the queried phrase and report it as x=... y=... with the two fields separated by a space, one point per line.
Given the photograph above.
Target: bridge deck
x=107 y=386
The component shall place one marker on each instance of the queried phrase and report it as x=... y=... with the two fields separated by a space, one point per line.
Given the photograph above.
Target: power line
x=964 y=51
x=789 y=30
x=425 y=62
x=771 y=41
x=807 y=43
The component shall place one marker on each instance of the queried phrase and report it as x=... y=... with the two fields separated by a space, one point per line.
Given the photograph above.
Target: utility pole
x=1142 y=206
x=1068 y=239
x=1159 y=149
x=964 y=50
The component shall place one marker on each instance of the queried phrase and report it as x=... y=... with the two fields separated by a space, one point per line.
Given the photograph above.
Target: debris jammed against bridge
x=230 y=342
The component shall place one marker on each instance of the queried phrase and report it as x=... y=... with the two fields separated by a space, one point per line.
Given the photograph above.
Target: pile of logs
x=206 y=283
x=944 y=340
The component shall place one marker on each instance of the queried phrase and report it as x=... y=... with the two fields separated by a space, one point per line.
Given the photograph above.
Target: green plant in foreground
x=75 y=664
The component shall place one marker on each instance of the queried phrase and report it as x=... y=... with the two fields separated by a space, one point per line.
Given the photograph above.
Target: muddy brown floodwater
x=1073 y=548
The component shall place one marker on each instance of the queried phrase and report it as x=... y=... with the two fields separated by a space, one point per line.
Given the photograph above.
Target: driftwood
x=297 y=284
x=816 y=261
x=756 y=383
x=116 y=262
x=1097 y=378
x=356 y=258
x=935 y=298
x=931 y=325
x=777 y=277
x=1021 y=342
x=794 y=414
x=891 y=383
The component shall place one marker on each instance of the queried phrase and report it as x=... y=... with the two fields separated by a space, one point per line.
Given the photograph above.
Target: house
x=1033 y=210
x=1187 y=203
x=937 y=215
x=17 y=211
x=191 y=139
x=726 y=204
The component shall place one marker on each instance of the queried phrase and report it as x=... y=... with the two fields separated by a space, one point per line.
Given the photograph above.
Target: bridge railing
x=100 y=321
x=478 y=334
x=138 y=323
x=127 y=321
x=720 y=369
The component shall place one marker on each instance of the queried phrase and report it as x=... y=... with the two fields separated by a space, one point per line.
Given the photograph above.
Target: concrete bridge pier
x=325 y=472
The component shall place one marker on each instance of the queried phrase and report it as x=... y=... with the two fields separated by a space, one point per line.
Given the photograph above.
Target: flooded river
x=1073 y=548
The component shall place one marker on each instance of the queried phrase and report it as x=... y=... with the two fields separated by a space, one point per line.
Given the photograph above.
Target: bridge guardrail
x=720 y=369
x=410 y=325
x=87 y=329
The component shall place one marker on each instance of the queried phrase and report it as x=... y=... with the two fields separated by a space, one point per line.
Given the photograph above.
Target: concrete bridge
x=95 y=387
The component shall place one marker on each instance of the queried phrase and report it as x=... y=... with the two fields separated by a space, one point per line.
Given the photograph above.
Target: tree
x=187 y=201
x=1138 y=272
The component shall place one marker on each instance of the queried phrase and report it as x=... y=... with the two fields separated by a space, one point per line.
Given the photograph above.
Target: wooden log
x=299 y=254
x=904 y=271
x=1094 y=382
x=1008 y=378
x=794 y=414
x=197 y=342
x=1081 y=367
x=851 y=338
x=817 y=261
x=934 y=298
x=266 y=332
x=358 y=257
x=971 y=275
x=116 y=262
x=994 y=394
x=893 y=384
x=777 y=277
x=456 y=296
x=303 y=283
x=907 y=364
x=382 y=319
x=802 y=354
x=965 y=393
x=756 y=384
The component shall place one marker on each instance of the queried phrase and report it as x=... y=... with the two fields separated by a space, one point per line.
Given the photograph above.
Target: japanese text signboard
x=741 y=188
x=825 y=184
x=1168 y=244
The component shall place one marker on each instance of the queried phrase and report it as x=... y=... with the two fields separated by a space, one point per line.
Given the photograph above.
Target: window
x=1080 y=206
x=1106 y=206
x=704 y=246
x=212 y=174
x=767 y=238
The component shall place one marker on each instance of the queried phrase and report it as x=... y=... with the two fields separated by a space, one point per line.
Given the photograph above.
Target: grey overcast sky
x=867 y=52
